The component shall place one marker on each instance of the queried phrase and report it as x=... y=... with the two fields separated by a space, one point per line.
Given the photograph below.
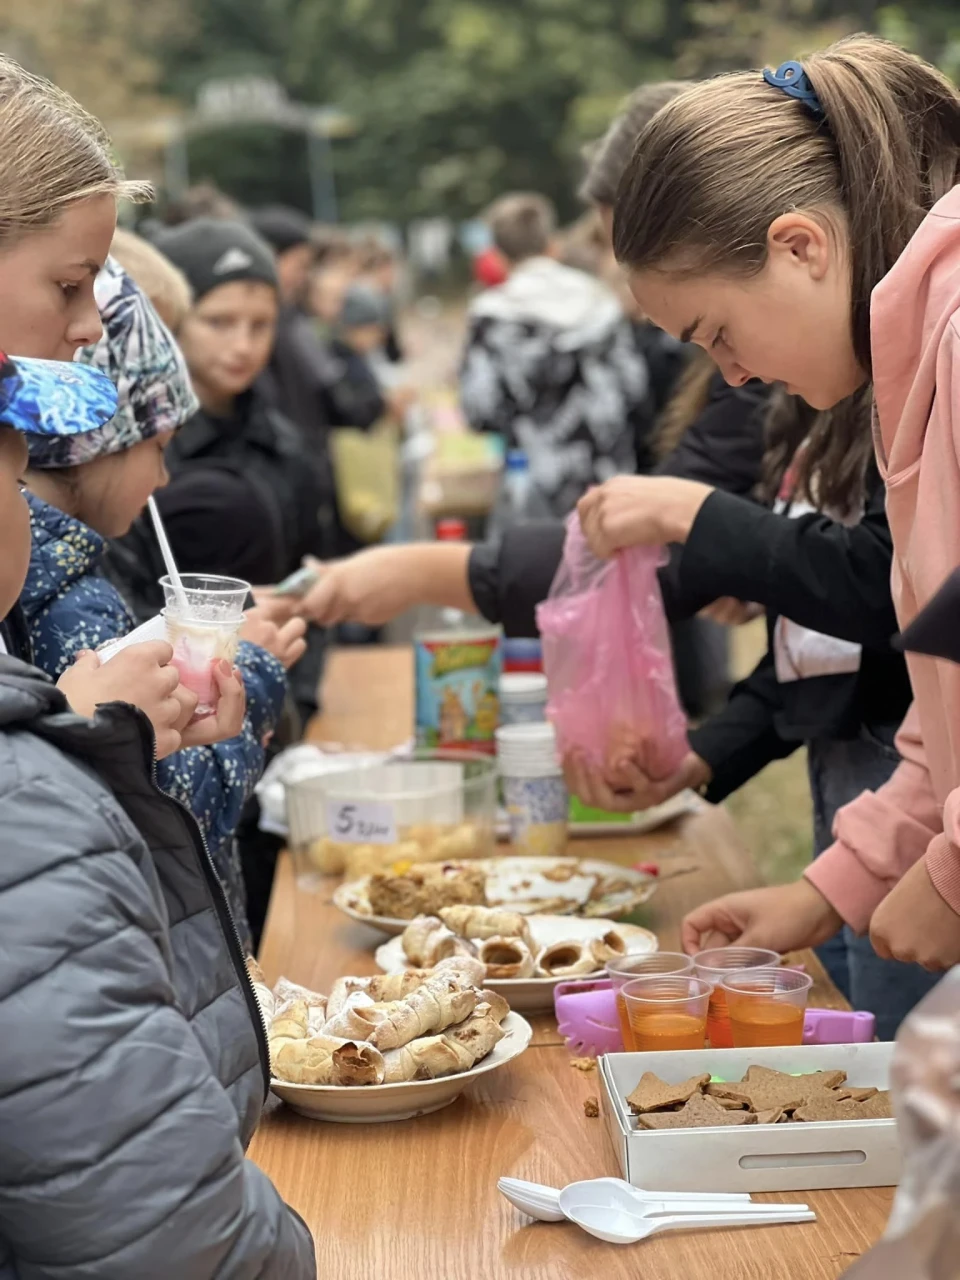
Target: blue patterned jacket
x=70 y=606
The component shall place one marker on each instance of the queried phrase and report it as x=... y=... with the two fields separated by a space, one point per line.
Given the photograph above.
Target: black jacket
x=830 y=577
x=723 y=448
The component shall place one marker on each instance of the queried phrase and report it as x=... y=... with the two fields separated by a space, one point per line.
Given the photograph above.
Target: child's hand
x=633 y=791
x=729 y=612
x=914 y=924
x=630 y=511
x=285 y=641
x=141 y=675
x=785 y=917
x=227 y=721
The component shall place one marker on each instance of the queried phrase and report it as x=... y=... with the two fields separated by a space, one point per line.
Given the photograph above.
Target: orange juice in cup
x=666 y=1011
x=715 y=965
x=767 y=1006
x=625 y=968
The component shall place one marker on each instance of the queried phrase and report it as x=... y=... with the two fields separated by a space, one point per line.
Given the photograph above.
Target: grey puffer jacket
x=132 y=1058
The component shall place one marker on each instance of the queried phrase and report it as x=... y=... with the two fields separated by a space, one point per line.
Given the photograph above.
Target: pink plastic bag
x=606 y=654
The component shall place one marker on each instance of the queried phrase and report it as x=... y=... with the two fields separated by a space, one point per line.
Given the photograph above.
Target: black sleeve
x=741 y=739
x=509 y=579
x=723 y=446
x=832 y=577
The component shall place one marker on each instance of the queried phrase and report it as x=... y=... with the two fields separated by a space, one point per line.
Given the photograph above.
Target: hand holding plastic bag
x=606 y=654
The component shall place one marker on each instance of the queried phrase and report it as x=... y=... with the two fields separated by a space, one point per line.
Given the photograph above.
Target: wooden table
x=418 y=1200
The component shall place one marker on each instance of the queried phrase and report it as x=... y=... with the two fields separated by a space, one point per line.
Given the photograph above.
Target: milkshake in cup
x=202 y=624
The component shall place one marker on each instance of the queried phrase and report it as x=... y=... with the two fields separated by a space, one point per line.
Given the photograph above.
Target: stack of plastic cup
x=534 y=792
x=523 y=698
x=202 y=622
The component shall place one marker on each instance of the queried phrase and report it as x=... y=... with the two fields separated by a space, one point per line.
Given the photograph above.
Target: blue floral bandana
x=139 y=355
x=51 y=401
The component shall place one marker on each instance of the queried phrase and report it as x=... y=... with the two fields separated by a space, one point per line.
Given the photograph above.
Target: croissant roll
x=425 y=1059
x=479 y=1033
x=608 y=947
x=326 y=1060
x=285 y=991
x=355 y=1019
x=565 y=960
x=467 y=969
x=266 y=1000
x=291 y=1020
x=427 y=940
x=438 y=1004
x=485 y=922
x=506 y=958
x=498 y=1006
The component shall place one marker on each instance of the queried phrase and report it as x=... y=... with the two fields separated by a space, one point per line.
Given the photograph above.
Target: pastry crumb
x=583 y=1064
x=591 y=1108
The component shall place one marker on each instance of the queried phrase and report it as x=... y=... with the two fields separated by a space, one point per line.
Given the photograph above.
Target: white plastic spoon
x=543 y=1202
x=624 y=1229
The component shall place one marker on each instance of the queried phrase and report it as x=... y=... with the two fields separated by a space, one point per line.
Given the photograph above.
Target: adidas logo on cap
x=234 y=259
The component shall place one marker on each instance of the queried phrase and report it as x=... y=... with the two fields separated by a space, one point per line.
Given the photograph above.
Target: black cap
x=362 y=306
x=935 y=630
x=213 y=251
x=282 y=227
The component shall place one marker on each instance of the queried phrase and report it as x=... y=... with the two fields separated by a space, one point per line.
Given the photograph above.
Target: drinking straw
x=168 y=560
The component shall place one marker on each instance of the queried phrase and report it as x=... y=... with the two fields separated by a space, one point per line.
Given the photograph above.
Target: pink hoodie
x=915 y=335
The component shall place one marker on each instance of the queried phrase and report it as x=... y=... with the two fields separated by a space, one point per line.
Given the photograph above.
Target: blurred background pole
x=176 y=164
x=323 y=191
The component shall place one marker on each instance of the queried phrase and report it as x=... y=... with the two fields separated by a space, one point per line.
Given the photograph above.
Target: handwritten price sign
x=361 y=823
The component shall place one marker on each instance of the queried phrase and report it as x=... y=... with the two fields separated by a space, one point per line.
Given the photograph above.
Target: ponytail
x=718 y=164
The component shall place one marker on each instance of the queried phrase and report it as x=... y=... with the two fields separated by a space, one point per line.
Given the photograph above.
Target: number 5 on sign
x=363 y=823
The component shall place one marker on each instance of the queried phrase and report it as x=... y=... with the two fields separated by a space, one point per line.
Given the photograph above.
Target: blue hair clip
x=794 y=81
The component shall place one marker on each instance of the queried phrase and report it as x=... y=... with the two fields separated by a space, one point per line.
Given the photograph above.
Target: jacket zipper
x=224 y=914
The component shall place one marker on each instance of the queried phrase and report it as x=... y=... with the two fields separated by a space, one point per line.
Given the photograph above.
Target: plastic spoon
x=543 y=1202
x=622 y=1227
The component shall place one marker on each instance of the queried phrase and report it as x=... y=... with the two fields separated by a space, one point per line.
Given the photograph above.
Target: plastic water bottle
x=516 y=483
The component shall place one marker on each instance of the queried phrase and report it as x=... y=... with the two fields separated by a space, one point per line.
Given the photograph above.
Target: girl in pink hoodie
x=804 y=227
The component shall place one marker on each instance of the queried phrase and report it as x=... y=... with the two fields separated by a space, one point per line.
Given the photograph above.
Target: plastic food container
x=434 y=806
x=534 y=792
x=523 y=698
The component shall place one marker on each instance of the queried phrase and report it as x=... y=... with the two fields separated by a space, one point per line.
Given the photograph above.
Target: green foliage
x=455 y=101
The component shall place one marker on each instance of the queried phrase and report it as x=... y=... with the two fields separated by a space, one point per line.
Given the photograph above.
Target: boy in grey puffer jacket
x=134 y=1064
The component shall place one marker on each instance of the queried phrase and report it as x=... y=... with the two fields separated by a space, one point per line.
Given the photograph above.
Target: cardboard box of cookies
x=793 y=1118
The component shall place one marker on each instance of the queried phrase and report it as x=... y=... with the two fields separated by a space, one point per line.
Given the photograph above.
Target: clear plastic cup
x=665 y=1012
x=197 y=647
x=766 y=1006
x=715 y=965
x=208 y=598
x=625 y=968
x=202 y=625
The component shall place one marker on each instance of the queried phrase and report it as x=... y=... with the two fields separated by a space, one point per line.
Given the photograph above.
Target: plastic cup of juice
x=665 y=1011
x=625 y=968
x=202 y=627
x=767 y=1006
x=717 y=964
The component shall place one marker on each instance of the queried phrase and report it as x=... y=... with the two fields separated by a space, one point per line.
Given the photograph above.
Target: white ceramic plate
x=521 y=885
x=535 y=995
x=378 y=1103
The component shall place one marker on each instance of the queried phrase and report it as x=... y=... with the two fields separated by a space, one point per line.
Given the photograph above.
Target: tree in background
x=101 y=51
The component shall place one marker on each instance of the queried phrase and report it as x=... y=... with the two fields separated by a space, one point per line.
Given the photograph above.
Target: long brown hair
x=52 y=153
x=717 y=165
x=607 y=158
x=837 y=450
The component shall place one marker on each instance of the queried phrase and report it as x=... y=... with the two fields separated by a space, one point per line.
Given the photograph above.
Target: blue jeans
x=839 y=771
